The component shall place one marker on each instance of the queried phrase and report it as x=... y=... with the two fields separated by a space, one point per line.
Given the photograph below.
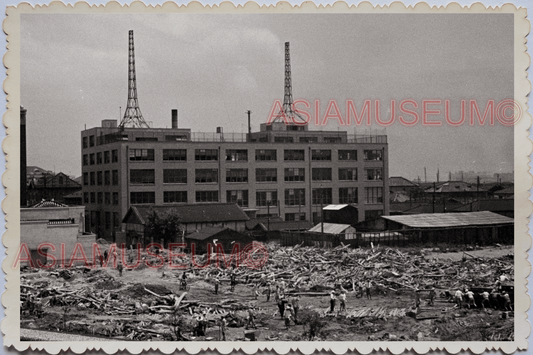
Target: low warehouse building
x=460 y=228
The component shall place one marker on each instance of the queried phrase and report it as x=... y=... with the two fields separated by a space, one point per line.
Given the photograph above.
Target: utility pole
x=299 y=209
x=434 y=191
x=268 y=216
x=477 y=189
x=321 y=214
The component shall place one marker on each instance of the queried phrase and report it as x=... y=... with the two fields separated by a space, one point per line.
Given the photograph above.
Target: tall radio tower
x=132 y=116
x=287 y=109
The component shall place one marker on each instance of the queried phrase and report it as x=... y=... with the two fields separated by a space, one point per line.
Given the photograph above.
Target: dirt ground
x=446 y=323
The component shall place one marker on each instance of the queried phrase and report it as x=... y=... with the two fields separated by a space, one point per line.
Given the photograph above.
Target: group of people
x=288 y=305
x=340 y=294
x=496 y=299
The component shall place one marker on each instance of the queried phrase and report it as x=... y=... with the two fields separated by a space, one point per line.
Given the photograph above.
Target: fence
x=404 y=237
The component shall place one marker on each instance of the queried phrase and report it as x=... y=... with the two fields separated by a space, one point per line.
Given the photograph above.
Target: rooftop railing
x=288 y=137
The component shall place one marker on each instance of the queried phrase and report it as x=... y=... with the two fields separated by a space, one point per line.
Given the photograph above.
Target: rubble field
x=146 y=303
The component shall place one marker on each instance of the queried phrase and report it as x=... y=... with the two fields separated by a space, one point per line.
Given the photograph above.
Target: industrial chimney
x=174 y=118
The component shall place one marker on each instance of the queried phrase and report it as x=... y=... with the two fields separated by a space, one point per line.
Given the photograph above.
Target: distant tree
x=166 y=225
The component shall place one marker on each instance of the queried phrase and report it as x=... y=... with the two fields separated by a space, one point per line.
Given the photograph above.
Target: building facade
x=282 y=170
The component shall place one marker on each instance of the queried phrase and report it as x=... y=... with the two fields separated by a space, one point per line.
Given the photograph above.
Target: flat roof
x=334 y=207
x=440 y=220
x=330 y=228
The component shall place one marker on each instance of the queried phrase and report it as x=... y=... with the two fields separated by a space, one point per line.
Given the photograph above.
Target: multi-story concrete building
x=284 y=170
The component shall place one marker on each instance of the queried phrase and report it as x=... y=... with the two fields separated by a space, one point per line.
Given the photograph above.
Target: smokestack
x=249 y=125
x=174 y=118
x=23 y=197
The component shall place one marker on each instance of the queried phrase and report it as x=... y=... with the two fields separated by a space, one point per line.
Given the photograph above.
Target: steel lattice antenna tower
x=287 y=110
x=132 y=116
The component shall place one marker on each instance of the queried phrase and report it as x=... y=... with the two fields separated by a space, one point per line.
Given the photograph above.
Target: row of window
x=293 y=197
x=109 y=156
x=107 y=198
x=231 y=155
x=100 y=219
x=108 y=177
x=242 y=155
x=179 y=176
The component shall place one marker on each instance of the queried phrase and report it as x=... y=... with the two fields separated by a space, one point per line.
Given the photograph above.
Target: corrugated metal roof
x=400 y=181
x=440 y=220
x=330 y=228
x=487 y=205
x=334 y=207
x=455 y=186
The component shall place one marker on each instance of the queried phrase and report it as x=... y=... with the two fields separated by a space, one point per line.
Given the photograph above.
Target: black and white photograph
x=269 y=177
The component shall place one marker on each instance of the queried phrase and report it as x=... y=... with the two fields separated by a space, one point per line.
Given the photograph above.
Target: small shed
x=343 y=214
x=333 y=228
x=210 y=236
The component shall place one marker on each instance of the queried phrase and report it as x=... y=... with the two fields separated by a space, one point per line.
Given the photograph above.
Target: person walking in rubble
x=342 y=298
x=281 y=304
x=251 y=316
x=368 y=288
x=217 y=282
x=222 y=324
x=295 y=301
x=332 y=300
x=268 y=291
x=288 y=315
x=119 y=268
x=459 y=298
x=417 y=298
x=470 y=299
x=432 y=296
x=485 y=302
x=506 y=301
x=233 y=281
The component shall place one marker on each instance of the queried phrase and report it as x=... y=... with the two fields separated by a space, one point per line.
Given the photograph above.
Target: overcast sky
x=215 y=67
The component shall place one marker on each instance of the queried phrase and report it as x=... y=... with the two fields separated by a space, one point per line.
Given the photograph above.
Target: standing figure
x=233 y=281
x=485 y=302
x=222 y=324
x=295 y=301
x=459 y=299
x=119 y=268
x=342 y=298
x=470 y=299
x=332 y=301
x=251 y=316
x=417 y=298
x=217 y=282
x=432 y=296
x=288 y=315
x=368 y=288
x=281 y=305
x=506 y=301
x=268 y=291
